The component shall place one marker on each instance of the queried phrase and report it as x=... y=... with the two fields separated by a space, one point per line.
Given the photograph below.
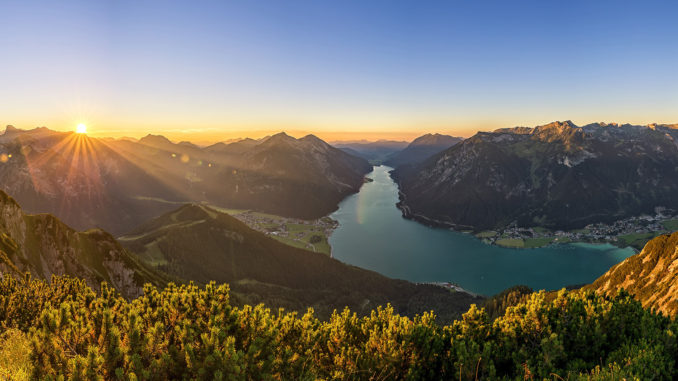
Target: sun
x=81 y=129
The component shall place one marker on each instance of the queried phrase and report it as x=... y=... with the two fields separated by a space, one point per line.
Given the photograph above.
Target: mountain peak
x=186 y=143
x=10 y=129
x=151 y=139
x=192 y=211
x=565 y=131
x=557 y=125
x=6 y=199
x=421 y=149
x=436 y=139
x=310 y=138
x=280 y=137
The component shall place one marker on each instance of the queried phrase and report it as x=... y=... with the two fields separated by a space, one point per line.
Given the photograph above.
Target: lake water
x=372 y=234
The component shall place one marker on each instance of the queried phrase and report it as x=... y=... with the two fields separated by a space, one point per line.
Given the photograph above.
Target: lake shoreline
x=373 y=235
x=436 y=224
x=555 y=238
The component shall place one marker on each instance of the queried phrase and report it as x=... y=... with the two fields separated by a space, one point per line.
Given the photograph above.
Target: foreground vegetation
x=63 y=328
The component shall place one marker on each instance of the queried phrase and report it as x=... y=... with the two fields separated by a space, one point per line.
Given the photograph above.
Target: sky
x=344 y=70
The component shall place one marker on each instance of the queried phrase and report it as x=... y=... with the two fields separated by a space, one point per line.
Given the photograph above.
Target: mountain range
x=375 y=152
x=558 y=176
x=421 y=149
x=118 y=184
x=201 y=244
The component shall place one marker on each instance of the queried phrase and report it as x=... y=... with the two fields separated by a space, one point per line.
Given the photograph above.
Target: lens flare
x=81 y=129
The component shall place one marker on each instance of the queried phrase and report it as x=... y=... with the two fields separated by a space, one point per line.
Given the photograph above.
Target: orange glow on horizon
x=206 y=134
x=210 y=136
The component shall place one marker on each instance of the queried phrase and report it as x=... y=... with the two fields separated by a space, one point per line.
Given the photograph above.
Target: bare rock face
x=651 y=275
x=45 y=246
x=559 y=176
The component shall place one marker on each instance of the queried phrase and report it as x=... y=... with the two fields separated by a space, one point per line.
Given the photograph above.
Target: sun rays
x=67 y=169
x=82 y=173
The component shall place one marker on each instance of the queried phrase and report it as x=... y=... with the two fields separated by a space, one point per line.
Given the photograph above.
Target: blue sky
x=392 y=68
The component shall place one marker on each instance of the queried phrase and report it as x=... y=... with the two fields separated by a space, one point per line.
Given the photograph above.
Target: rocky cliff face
x=651 y=275
x=559 y=176
x=44 y=246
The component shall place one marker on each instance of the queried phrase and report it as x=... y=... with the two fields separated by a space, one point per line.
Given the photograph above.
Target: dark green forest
x=64 y=330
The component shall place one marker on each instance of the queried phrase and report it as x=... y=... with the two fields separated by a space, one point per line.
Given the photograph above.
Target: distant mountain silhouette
x=421 y=149
x=375 y=152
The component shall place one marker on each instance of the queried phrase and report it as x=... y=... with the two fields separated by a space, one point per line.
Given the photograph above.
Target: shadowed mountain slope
x=421 y=149
x=199 y=243
x=558 y=176
x=375 y=152
x=115 y=184
x=44 y=246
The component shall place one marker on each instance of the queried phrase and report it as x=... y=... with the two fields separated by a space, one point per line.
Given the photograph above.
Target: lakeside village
x=633 y=231
x=306 y=234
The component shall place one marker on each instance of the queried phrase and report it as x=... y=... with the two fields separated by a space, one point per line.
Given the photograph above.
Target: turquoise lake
x=372 y=234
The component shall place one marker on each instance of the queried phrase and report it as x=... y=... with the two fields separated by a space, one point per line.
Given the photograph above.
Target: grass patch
x=153 y=255
x=540 y=229
x=671 y=225
x=537 y=242
x=291 y=242
x=487 y=234
x=307 y=242
x=228 y=211
x=637 y=240
x=322 y=246
x=15 y=352
x=298 y=227
x=511 y=242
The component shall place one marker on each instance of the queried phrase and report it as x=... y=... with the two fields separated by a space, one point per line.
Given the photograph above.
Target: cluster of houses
x=599 y=232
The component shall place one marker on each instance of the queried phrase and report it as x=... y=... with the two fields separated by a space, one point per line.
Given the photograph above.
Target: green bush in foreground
x=187 y=332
